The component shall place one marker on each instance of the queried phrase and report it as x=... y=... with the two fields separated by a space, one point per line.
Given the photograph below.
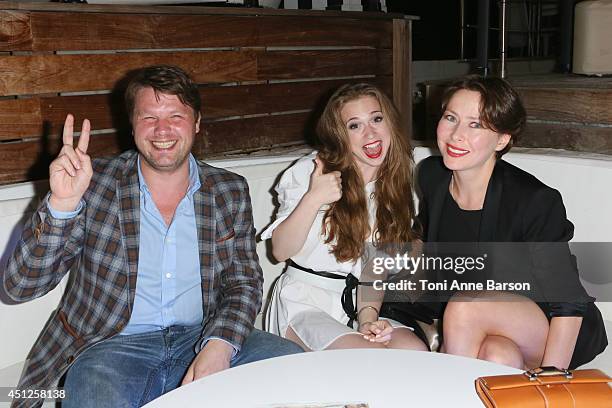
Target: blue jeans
x=129 y=371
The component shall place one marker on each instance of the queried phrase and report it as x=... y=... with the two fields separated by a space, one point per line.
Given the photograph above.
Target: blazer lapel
x=437 y=203
x=490 y=208
x=128 y=193
x=205 y=221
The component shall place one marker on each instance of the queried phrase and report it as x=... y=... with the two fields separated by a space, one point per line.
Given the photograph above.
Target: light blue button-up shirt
x=168 y=259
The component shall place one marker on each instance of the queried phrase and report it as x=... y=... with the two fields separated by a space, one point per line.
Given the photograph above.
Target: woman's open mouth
x=373 y=150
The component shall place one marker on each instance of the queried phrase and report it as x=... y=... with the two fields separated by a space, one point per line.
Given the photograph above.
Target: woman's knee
x=461 y=313
x=501 y=350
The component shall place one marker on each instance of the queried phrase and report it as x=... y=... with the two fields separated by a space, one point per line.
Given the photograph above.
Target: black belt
x=350 y=282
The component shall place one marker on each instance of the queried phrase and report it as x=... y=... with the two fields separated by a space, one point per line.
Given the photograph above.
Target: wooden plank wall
x=263 y=75
x=569 y=112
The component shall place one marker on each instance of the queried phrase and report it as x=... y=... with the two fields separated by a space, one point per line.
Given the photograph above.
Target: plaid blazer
x=100 y=245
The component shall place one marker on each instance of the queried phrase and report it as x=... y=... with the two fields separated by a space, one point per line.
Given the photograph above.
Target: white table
x=381 y=378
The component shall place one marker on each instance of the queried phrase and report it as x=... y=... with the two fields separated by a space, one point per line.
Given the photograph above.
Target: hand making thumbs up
x=325 y=188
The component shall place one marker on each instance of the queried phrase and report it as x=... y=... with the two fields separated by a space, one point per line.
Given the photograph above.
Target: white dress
x=310 y=304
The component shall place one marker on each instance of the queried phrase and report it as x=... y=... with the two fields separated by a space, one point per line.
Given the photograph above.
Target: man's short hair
x=165 y=79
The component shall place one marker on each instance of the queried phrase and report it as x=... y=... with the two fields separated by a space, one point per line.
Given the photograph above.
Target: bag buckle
x=547 y=371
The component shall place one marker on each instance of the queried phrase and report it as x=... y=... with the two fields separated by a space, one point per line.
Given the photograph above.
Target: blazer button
x=69 y=360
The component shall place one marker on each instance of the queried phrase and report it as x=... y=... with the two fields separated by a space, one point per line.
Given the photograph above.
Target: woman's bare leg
x=470 y=318
x=404 y=338
x=353 y=340
x=401 y=338
x=501 y=350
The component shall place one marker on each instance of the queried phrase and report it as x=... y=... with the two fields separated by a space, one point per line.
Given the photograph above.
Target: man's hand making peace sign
x=70 y=173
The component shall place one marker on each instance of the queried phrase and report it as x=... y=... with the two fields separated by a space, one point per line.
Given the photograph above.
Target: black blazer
x=517 y=208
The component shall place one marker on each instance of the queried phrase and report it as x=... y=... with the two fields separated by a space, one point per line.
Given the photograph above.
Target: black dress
x=517 y=208
x=457 y=224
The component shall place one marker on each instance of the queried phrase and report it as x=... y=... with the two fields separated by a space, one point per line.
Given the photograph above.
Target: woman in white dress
x=357 y=189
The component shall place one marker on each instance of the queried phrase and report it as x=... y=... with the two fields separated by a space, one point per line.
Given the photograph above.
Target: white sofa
x=582 y=179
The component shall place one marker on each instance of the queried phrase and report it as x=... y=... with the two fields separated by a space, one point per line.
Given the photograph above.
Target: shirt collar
x=194 y=177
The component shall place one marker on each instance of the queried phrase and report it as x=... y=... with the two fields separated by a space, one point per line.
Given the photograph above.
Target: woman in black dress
x=470 y=194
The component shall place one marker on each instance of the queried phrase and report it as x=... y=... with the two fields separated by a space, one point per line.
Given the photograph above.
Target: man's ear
x=197 y=123
x=502 y=142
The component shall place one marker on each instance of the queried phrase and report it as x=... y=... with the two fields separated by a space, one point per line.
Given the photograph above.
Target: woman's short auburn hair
x=501 y=108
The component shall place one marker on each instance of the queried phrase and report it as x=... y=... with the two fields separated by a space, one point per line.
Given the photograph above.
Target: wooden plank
x=563 y=81
x=224 y=101
x=318 y=64
x=89 y=72
x=33 y=117
x=254 y=133
x=402 y=92
x=20 y=118
x=37 y=116
x=68 y=73
x=15 y=31
x=569 y=137
x=129 y=9
x=104 y=111
x=22 y=161
x=569 y=104
x=40 y=31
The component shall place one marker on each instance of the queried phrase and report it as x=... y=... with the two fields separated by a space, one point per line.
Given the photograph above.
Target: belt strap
x=323 y=274
x=350 y=283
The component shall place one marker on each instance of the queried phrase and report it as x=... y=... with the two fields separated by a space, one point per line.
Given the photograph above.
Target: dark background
x=437 y=35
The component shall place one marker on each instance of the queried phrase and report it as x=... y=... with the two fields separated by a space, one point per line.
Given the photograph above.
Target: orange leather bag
x=546 y=387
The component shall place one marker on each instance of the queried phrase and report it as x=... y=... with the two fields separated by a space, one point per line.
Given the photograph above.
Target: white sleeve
x=290 y=189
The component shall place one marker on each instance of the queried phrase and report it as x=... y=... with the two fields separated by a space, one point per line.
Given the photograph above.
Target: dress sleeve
x=290 y=189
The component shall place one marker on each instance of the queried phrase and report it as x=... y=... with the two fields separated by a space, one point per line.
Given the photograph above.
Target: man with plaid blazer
x=166 y=283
